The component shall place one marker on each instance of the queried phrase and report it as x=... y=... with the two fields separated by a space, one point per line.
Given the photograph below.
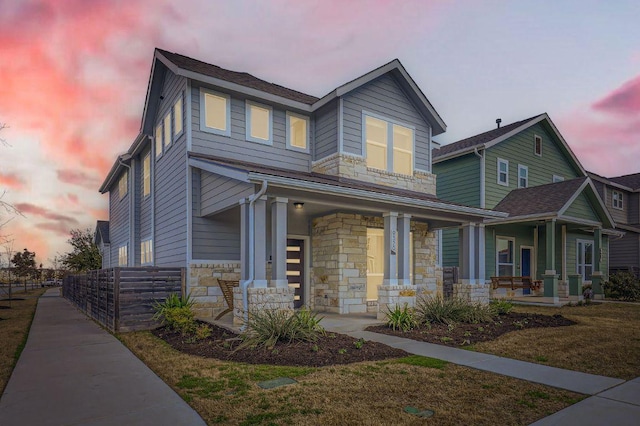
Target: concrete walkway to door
x=72 y=372
x=612 y=402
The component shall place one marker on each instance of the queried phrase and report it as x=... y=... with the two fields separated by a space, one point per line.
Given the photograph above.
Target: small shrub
x=623 y=286
x=438 y=310
x=175 y=312
x=342 y=351
x=359 y=343
x=401 y=318
x=501 y=306
x=202 y=332
x=266 y=327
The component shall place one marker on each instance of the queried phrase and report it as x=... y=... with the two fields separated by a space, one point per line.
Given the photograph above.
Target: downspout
x=152 y=192
x=130 y=178
x=245 y=284
x=482 y=182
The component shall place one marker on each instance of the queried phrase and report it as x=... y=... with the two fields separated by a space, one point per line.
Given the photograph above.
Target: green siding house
x=558 y=228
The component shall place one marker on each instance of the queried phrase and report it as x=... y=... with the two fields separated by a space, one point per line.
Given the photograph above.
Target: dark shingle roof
x=632 y=180
x=102 y=227
x=241 y=78
x=549 y=198
x=480 y=139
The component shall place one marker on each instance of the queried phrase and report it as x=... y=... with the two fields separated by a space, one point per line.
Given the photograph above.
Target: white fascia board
x=459 y=153
x=374 y=196
x=608 y=182
x=219 y=169
x=573 y=197
x=259 y=94
x=149 y=83
x=523 y=218
x=594 y=193
x=614 y=233
x=579 y=221
x=566 y=145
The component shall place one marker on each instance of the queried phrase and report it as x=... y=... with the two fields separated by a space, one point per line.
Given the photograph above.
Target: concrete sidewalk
x=613 y=401
x=72 y=372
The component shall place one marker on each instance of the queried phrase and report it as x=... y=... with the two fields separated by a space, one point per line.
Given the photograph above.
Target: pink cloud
x=624 y=101
x=11 y=180
x=31 y=209
x=79 y=178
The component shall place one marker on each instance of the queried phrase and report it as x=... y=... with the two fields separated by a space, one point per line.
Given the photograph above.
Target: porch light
x=298 y=206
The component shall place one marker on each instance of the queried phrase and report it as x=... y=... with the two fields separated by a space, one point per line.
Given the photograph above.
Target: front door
x=295 y=270
x=525 y=262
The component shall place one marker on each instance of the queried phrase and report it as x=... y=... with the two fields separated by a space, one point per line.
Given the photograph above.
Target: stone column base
x=476 y=292
x=274 y=298
x=390 y=296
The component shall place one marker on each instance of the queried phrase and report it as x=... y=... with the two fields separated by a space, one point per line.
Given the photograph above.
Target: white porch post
x=260 y=242
x=404 y=247
x=390 y=248
x=279 y=242
x=244 y=239
x=481 y=254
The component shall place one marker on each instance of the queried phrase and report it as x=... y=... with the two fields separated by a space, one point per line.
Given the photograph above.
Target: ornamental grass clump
x=401 y=318
x=266 y=327
x=437 y=310
x=175 y=313
x=501 y=306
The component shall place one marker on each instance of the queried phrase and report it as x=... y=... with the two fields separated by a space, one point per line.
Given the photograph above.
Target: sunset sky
x=74 y=73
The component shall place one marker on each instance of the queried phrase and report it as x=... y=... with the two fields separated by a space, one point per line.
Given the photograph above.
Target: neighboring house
x=326 y=202
x=557 y=229
x=621 y=195
x=101 y=239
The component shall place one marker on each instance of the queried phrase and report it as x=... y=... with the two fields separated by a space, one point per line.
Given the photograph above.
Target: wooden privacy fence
x=121 y=299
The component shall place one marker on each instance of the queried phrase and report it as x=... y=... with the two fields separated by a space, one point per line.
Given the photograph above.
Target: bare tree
x=7 y=210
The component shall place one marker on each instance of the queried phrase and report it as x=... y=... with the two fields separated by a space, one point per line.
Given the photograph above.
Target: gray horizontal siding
x=625 y=251
x=326 y=131
x=383 y=96
x=170 y=245
x=144 y=222
x=236 y=147
x=618 y=215
x=118 y=222
x=634 y=208
x=219 y=192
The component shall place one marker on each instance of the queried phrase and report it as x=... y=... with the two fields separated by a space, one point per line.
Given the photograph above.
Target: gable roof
x=632 y=181
x=493 y=137
x=552 y=199
x=102 y=232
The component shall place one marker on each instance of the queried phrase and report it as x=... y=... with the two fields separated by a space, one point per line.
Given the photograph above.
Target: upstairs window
x=123 y=184
x=388 y=146
x=297 y=132
x=215 y=114
x=617 y=200
x=177 y=117
x=258 y=123
x=158 y=140
x=503 y=172
x=557 y=178
x=146 y=252
x=146 y=175
x=537 y=145
x=167 y=130
x=523 y=176
x=122 y=256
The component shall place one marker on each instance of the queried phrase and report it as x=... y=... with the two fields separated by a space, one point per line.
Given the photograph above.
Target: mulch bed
x=468 y=334
x=331 y=349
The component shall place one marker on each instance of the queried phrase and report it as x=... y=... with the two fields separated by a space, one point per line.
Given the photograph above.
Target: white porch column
x=404 y=248
x=244 y=239
x=260 y=242
x=390 y=248
x=481 y=266
x=279 y=242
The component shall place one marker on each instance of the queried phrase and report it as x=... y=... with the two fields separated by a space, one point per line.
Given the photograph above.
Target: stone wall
x=355 y=167
x=478 y=292
x=204 y=289
x=276 y=298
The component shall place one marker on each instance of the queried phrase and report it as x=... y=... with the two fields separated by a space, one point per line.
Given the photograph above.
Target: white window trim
x=557 y=178
x=148 y=155
x=169 y=140
x=247 y=109
x=513 y=255
x=173 y=118
x=308 y=136
x=150 y=262
x=158 y=143
x=620 y=205
x=126 y=255
x=523 y=167
x=506 y=162
x=125 y=178
x=203 y=115
x=535 y=137
x=390 y=122
x=580 y=258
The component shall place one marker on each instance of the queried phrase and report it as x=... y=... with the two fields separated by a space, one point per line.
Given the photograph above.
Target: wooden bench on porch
x=227 y=291
x=515 y=282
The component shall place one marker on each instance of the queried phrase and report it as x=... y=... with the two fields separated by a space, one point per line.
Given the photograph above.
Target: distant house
x=325 y=202
x=101 y=239
x=558 y=226
x=621 y=195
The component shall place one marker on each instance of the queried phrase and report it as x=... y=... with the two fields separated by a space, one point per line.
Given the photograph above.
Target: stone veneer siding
x=339 y=251
x=205 y=290
x=355 y=167
x=275 y=298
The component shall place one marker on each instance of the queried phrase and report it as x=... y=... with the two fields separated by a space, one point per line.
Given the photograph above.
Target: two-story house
x=621 y=195
x=325 y=202
x=557 y=229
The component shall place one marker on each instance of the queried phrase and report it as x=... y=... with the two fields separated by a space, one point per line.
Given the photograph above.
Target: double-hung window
x=177 y=117
x=389 y=146
x=259 y=123
x=505 y=256
x=146 y=175
x=167 y=130
x=616 y=197
x=146 y=252
x=123 y=184
x=215 y=112
x=503 y=172
x=523 y=176
x=537 y=145
x=584 y=255
x=122 y=256
x=158 y=139
x=297 y=132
